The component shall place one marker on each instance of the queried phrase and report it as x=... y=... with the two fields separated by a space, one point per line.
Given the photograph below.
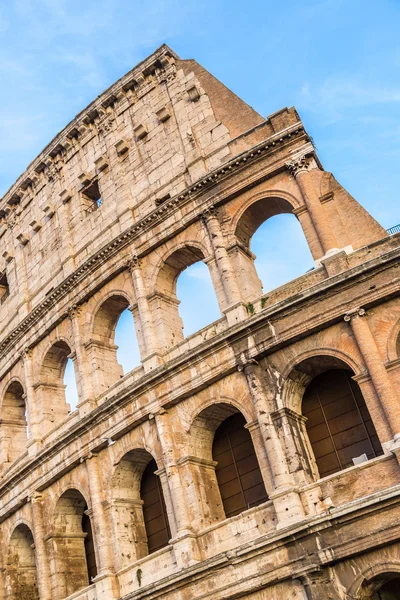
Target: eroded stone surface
x=164 y=169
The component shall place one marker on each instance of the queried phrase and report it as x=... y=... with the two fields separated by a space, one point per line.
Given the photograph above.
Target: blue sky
x=337 y=61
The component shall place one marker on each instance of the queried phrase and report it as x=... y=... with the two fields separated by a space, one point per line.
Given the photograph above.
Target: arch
x=13 y=428
x=21 y=565
x=338 y=427
x=139 y=512
x=257 y=210
x=73 y=544
x=101 y=348
x=51 y=387
x=221 y=439
x=289 y=198
x=164 y=301
x=373 y=579
x=252 y=215
x=344 y=430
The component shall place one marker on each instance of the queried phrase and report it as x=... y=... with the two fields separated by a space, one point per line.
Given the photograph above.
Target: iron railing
x=395 y=229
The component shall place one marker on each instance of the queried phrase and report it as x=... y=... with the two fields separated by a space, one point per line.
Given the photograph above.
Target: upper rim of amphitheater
x=103 y=100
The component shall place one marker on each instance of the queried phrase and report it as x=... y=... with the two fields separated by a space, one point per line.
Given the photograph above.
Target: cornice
x=157 y=216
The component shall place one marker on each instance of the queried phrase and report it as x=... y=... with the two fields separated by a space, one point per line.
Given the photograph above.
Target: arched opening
x=51 y=387
x=109 y=366
x=339 y=426
x=238 y=472
x=13 y=428
x=281 y=253
x=390 y=590
x=128 y=354
x=139 y=512
x=226 y=464
x=21 y=566
x=166 y=303
x=75 y=560
x=71 y=390
x=154 y=509
x=198 y=303
x=385 y=586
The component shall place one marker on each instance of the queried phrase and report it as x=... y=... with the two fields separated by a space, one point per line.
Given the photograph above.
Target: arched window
x=281 y=251
x=338 y=424
x=154 y=510
x=89 y=545
x=270 y=230
x=238 y=472
x=21 y=566
x=166 y=302
x=128 y=354
x=102 y=348
x=71 y=391
x=51 y=387
x=139 y=514
x=75 y=564
x=387 y=590
x=198 y=303
x=13 y=428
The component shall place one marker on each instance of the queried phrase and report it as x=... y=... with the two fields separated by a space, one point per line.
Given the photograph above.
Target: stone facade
x=164 y=169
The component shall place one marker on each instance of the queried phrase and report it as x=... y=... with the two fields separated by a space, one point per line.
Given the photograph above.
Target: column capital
x=26 y=353
x=209 y=213
x=74 y=311
x=35 y=497
x=133 y=262
x=246 y=364
x=300 y=163
x=355 y=313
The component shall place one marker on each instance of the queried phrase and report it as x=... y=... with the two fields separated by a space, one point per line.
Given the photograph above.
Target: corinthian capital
x=298 y=164
x=74 y=311
x=133 y=262
x=352 y=314
x=209 y=213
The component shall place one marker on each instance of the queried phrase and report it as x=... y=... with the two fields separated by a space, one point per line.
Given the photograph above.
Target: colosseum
x=257 y=458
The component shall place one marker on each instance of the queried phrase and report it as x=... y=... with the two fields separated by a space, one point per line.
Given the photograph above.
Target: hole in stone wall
x=71 y=391
x=198 y=303
x=128 y=354
x=281 y=250
x=92 y=196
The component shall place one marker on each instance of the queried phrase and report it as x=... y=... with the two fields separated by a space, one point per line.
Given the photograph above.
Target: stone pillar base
x=236 y=313
x=151 y=362
x=34 y=445
x=86 y=406
x=288 y=507
x=186 y=550
x=107 y=586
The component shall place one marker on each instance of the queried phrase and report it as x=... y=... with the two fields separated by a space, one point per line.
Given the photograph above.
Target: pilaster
x=106 y=582
x=85 y=376
x=284 y=495
x=235 y=309
x=42 y=559
x=358 y=322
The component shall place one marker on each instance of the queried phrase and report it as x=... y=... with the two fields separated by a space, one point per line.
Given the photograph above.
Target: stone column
x=285 y=496
x=227 y=274
x=106 y=582
x=151 y=357
x=185 y=540
x=373 y=360
x=85 y=381
x=300 y=167
x=42 y=560
x=35 y=434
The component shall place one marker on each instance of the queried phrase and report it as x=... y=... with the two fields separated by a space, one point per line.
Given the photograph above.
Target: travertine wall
x=186 y=171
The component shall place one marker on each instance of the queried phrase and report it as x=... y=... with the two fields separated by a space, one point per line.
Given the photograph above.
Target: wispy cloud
x=333 y=96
